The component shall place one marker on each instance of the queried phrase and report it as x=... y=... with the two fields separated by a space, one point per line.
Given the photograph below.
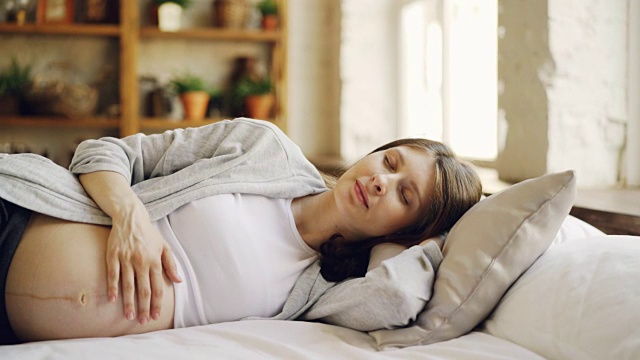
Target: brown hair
x=457 y=188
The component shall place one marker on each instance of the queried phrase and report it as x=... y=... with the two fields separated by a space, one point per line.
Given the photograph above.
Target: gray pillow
x=485 y=252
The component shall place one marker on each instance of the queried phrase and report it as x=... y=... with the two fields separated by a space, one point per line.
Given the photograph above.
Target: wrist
x=127 y=209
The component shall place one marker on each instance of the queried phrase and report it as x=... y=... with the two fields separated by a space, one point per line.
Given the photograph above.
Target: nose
x=379 y=184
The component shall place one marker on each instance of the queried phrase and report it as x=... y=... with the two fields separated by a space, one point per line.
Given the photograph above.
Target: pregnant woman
x=213 y=224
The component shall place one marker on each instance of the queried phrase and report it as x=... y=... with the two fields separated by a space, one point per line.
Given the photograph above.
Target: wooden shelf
x=212 y=34
x=59 y=29
x=54 y=122
x=130 y=35
x=166 y=124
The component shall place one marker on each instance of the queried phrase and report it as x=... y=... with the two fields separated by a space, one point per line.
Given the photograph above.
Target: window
x=448 y=74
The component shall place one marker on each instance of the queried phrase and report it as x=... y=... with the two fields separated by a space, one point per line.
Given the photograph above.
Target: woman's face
x=385 y=192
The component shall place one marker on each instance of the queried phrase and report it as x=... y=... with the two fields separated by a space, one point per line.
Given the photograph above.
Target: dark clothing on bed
x=13 y=221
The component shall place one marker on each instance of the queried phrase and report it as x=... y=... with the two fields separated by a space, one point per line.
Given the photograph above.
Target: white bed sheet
x=260 y=339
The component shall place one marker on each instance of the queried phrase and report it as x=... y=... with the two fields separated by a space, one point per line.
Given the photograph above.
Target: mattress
x=260 y=339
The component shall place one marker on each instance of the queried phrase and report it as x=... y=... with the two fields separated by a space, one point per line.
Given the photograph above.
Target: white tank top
x=239 y=255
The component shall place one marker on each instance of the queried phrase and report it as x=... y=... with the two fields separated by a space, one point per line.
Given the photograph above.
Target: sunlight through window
x=448 y=74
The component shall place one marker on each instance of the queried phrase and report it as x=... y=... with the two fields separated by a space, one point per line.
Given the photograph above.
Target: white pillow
x=573 y=228
x=485 y=252
x=580 y=300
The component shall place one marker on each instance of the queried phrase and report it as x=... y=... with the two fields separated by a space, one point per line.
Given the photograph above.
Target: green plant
x=188 y=82
x=268 y=7
x=182 y=3
x=248 y=87
x=15 y=79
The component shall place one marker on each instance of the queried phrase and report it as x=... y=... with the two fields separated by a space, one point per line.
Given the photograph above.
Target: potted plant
x=269 y=11
x=194 y=95
x=256 y=96
x=14 y=82
x=169 y=13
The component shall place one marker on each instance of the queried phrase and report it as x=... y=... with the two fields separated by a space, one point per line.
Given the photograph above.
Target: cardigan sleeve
x=387 y=297
x=140 y=157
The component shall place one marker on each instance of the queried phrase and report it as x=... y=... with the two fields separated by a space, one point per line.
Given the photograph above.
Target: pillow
x=573 y=228
x=485 y=252
x=578 y=301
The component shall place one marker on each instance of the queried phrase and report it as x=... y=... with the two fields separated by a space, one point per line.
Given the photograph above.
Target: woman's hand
x=136 y=255
x=136 y=252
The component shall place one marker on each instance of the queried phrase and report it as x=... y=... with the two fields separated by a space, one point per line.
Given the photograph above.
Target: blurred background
x=520 y=87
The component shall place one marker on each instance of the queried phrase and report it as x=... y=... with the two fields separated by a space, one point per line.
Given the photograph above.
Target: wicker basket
x=231 y=14
x=61 y=99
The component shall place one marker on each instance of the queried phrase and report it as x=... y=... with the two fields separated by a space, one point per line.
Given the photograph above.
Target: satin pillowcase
x=485 y=252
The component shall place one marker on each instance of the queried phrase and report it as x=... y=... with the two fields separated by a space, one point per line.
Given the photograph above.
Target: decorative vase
x=195 y=104
x=230 y=13
x=169 y=17
x=259 y=106
x=270 y=22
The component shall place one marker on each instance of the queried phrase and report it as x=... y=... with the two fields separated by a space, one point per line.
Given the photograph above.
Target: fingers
x=144 y=289
x=145 y=284
x=135 y=260
x=128 y=287
x=169 y=264
x=157 y=288
x=113 y=276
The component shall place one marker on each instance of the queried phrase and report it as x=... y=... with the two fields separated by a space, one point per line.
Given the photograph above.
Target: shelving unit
x=130 y=33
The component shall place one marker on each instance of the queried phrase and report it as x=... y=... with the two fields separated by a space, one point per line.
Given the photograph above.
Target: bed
x=520 y=279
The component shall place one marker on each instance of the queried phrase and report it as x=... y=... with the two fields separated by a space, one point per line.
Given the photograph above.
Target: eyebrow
x=412 y=183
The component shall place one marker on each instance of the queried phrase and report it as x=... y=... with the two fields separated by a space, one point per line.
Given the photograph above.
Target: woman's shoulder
x=255 y=126
x=259 y=126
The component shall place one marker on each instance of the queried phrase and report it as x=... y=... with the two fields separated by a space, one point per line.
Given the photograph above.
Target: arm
x=141 y=157
x=135 y=249
x=395 y=291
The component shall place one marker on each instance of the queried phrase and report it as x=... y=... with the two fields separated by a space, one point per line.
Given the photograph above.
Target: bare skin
x=57 y=285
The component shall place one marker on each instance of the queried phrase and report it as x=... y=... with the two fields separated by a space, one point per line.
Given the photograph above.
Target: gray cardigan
x=233 y=156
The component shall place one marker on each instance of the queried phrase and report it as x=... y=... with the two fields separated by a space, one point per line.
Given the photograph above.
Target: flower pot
x=195 y=104
x=169 y=17
x=259 y=106
x=270 y=22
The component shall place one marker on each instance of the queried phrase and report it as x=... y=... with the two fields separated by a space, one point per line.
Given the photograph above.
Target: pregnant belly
x=57 y=285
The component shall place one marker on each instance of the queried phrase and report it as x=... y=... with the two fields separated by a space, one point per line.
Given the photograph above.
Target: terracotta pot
x=259 y=106
x=195 y=104
x=270 y=22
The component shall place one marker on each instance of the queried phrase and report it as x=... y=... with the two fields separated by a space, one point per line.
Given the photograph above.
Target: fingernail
x=143 y=320
x=129 y=316
x=155 y=316
x=112 y=298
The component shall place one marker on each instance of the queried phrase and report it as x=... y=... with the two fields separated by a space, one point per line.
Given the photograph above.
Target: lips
x=361 y=194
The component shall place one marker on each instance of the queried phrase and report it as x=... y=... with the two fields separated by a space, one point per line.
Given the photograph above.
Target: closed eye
x=404 y=197
x=387 y=162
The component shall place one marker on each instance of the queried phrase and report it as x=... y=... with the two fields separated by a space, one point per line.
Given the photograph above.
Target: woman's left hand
x=136 y=255
x=136 y=251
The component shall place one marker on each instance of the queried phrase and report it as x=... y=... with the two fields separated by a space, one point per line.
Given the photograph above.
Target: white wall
x=314 y=83
x=368 y=73
x=563 y=67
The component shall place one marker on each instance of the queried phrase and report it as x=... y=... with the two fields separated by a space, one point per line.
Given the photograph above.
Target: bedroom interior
x=551 y=88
